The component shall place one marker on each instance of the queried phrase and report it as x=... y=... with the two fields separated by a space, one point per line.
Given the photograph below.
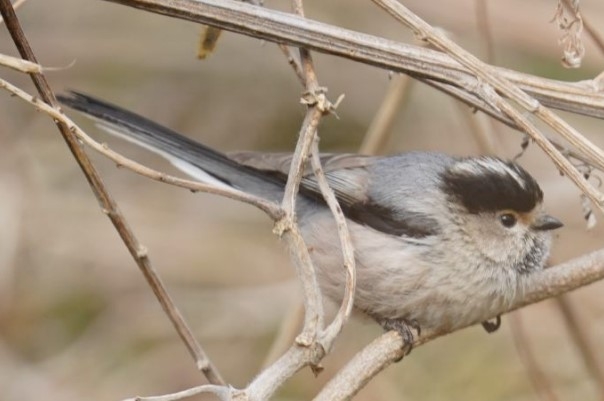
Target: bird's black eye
x=508 y=220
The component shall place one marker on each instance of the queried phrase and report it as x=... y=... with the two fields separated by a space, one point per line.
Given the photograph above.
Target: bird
x=440 y=242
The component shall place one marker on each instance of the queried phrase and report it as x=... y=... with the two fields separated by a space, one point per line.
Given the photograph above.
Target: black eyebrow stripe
x=492 y=191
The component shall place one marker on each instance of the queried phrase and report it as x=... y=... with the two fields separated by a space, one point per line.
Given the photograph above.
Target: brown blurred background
x=76 y=317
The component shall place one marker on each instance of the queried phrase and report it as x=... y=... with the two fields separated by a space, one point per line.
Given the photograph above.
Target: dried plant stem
x=318 y=102
x=222 y=392
x=314 y=97
x=481 y=130
x=288 y=229
x=591 y=31
x=332 y=330
x=578 y=332
x=429 y=66
x=498 y=83
x=107 y=203
x=387 y=349
x=269 y=208
x=291 y=59
x=18 y=64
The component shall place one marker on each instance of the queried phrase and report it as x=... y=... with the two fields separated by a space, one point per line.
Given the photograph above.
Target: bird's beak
x=545 y=222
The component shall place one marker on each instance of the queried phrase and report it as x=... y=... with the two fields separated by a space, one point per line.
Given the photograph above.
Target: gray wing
x=347 y=174
x=385 y=193
x=371 y=190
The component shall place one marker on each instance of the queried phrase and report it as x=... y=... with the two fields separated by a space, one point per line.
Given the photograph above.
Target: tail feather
x=197 y=160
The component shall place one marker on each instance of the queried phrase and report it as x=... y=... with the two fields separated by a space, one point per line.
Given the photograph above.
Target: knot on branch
x=142 y=252
x=315 y=352
x=318 y=98
x=283 y=224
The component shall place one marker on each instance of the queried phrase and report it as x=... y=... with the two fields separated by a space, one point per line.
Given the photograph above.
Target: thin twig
x=496 y=82
x=572 y=28
x=18 y=64
x=319 y=103
x=271 y=209
x=224 y=393
x=287 y=227
x=481 y=130
x=312 y=97
x=578 y=332
x=332 y=330
x=591 y=31
x=293 y=62
x=564 y=303
x=108 y=204
x=386 y=349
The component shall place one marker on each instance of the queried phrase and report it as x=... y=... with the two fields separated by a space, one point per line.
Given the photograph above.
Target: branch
x=288 y=229
x=107 y=203
x=319 y=104
x=271 y=209
x=222 y=392
x=19 y=64
x=385 y=350
x=493 y=85
x=429 y=66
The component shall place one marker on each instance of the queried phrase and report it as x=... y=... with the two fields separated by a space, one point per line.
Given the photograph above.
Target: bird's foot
x=490 y=326
x=403 y=327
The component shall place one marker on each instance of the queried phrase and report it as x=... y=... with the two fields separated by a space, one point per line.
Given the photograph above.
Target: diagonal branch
x=385 y=350
x=108 y=204
x=429 y=66
x=496 y=84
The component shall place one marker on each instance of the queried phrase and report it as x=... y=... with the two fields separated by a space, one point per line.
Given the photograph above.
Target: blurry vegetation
x=76 y=319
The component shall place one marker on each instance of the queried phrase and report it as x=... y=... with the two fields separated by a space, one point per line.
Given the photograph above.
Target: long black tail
x=199 y=161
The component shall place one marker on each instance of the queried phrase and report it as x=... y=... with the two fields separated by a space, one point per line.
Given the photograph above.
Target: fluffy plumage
x=439 y=241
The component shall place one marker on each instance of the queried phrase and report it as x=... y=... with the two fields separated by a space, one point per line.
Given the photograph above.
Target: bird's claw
x=403 y=327
x=491 y=327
